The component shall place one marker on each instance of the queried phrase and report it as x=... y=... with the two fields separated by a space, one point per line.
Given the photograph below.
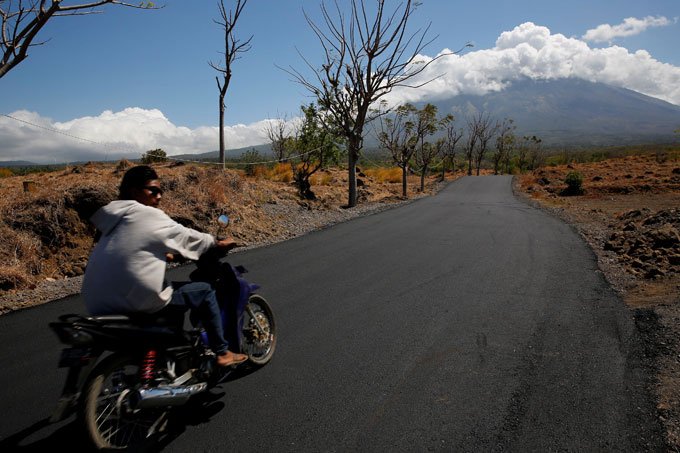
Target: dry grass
x=390 y=175
x=280 y=173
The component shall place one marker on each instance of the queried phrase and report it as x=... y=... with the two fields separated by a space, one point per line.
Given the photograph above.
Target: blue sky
x=138 y=80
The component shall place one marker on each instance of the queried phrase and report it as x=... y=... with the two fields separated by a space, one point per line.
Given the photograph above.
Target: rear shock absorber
x=148 y=365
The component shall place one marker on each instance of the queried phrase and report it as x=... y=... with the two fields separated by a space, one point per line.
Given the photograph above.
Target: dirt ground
x=629 y=214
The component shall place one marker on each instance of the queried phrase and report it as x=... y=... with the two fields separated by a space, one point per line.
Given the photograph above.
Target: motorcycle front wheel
x=259 y=331
x=107 y=411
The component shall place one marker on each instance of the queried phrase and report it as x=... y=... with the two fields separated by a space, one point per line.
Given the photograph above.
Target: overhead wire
x=178 y=159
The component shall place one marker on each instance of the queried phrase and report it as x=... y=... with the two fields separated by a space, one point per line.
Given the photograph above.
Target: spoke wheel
x=109 y=417
x=259 y=331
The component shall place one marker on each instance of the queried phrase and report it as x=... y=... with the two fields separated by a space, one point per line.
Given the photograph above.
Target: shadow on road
x=45 y=436
x=35 y=438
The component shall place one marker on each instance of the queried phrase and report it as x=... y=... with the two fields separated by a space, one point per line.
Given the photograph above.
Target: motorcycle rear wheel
x=107 y=413
x=259 y=331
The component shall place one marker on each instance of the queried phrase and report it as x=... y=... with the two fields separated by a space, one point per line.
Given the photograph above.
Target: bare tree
x=486 y=128
x=277 y=135
x=426 y=154
x=536 y=154
x=22 y=20
x=504 y=146
x=529 y=153
x=365 y=57
x=470 y=143
x=451 y=139
x=523 y=153
x=232 y=48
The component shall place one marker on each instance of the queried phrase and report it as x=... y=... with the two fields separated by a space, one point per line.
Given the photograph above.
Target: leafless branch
x=24 y=19
x=365 y=56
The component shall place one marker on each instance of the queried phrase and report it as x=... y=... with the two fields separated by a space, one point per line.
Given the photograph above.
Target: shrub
x=6 y=172
x=123 y=165
x=251 y=160
x=574 y=181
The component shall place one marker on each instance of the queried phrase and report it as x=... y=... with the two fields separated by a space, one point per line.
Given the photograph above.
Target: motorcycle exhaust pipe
x=165 y=396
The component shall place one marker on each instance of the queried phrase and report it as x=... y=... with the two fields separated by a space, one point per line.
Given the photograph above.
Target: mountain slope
x=574 y=112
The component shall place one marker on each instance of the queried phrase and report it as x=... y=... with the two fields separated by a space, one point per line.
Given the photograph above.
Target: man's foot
x=231 y=359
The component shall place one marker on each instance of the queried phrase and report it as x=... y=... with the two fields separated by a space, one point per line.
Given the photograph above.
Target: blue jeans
x=201 y=299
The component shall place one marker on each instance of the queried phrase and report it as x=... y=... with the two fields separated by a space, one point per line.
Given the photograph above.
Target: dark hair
x=135 y=178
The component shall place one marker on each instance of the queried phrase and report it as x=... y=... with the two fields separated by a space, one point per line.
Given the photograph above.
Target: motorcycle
x=127 y=373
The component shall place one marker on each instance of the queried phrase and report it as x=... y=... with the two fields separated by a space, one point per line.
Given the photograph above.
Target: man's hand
x=226 y=243
x=174 y=258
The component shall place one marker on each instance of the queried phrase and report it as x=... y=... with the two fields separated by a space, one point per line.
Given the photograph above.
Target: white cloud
x=630 y=26
x=532 y=51
x=112 y=136
x=527 y=51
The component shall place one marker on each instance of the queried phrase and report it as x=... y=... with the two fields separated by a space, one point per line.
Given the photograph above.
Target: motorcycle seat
x=142 y=319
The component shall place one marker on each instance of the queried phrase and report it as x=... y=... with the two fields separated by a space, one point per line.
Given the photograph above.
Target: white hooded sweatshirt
x=126 y=270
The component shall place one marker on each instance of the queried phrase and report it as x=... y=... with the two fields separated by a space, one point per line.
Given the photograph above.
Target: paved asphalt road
x=467 y=321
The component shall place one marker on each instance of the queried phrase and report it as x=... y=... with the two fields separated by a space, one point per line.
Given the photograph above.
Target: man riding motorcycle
x=126 y=270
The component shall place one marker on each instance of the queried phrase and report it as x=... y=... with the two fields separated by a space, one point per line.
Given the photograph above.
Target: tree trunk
x=422 y=179
x=404 y=182
x=352 y=177
x=222 y=129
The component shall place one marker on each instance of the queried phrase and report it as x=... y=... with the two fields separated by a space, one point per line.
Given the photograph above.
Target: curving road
x=467 y=321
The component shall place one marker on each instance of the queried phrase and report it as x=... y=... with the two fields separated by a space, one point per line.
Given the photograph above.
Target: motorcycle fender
x=75 y=357
x=79 y=361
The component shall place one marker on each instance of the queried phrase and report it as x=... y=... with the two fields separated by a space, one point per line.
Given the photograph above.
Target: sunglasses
x=155 y=191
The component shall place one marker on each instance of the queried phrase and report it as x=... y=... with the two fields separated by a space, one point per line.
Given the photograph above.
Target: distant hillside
x=16 y=163
x=574 y=112
x=230 y=154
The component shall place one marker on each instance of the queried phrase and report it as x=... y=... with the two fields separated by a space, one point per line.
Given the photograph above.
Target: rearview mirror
x=223 y=220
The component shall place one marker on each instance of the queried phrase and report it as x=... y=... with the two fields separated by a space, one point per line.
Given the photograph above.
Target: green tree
x=427 y=124
x=397 y=135
x=403 y=135
x=154 y=156
x=312 y=145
